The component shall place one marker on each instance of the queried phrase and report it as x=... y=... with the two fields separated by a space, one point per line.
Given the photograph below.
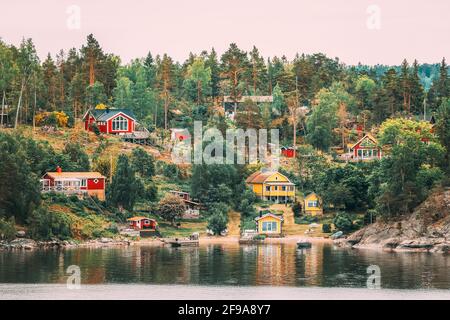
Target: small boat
x=303 y=245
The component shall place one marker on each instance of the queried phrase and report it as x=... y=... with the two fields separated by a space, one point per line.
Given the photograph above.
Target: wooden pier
x=180 y=242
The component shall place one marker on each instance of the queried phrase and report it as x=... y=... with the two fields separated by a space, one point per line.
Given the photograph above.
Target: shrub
x=95 y=129
x=343 y=222
x=307 y=219
x=151 y=192
x=260 y=237
x=171 y=208
x=45 y=225
x=326 y=228
x=7 y=229
x=297 y=208
x=113 y=228
x=170 y=170
x=74 y=199
x=358 y=224
x=217 y=222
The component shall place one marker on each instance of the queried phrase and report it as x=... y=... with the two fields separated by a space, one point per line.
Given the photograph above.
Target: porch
x=67 y=186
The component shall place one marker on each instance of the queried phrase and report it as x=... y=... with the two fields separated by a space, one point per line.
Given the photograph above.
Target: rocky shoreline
x=30 y=244
x=427 y=229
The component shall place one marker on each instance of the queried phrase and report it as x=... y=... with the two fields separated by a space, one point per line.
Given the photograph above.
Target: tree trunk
x=3 y=108
x=199 y=92
x=166 y=111
x=19 y=103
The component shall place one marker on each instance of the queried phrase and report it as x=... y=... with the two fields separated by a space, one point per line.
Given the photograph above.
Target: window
x=83 y=182
x=283 y=188
x=375 y=153
x=268 y=188
x=276 y=187
x=359 y=153
x=269 y=226
x=120 y=123
x=313 y=203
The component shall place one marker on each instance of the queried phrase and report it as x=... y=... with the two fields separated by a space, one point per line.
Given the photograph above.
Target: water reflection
x=229 y=264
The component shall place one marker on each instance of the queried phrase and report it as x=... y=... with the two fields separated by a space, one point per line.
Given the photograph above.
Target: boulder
x=26 y=244
x=20 y=234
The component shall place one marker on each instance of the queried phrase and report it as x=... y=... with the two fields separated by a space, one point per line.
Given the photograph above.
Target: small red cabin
x=287 y=152
x=142 y=223
x=112 y=121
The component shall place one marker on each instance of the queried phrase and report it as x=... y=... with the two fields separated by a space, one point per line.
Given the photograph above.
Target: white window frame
x=269 y=226
x=120 y=123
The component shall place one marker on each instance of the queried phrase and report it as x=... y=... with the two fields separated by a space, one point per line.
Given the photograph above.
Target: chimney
x=58 y=169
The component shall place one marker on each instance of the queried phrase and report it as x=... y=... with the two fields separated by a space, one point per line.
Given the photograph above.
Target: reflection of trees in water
x=228 y=264
x=35 y=266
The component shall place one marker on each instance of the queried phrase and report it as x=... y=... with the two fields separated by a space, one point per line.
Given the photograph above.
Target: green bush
x=358 y=224
x=307 y=220
x=343 y=222
x=113 y=228
x=170 y=170
x=260 y=237
x=46 y=225
x=297 y=208
x=326 y=228
x=218 y=221
x=7 y=229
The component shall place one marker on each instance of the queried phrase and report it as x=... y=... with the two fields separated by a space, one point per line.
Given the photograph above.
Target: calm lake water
x=228 y=264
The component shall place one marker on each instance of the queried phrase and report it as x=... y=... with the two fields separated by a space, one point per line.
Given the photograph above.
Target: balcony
x=65 y=186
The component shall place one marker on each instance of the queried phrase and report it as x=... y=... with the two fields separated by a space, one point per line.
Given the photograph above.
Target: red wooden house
x=74 y=183
x=142 y=223
x=112 y=121
x=366 y=148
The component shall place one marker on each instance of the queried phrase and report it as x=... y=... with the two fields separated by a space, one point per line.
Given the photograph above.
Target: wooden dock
x=181 y=242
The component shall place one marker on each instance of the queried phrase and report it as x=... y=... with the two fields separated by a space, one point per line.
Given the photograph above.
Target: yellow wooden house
x=269 y=224
x=271 y=186
x=313 y=205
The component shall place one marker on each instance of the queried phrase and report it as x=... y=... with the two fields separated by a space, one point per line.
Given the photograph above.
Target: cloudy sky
x=377 y=31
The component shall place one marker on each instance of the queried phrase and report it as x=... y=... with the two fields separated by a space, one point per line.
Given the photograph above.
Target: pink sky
x=409 y=28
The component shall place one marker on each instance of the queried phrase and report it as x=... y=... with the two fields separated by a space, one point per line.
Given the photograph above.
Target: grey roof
x=104 y=115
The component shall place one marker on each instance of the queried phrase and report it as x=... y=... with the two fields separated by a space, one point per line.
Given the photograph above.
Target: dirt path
x=234 y=222
x=291 y=228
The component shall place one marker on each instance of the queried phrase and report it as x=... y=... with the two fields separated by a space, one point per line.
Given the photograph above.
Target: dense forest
x=394 y=102
x=164 y=93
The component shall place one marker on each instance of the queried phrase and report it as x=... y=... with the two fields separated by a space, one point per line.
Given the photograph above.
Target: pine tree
x=124 y=188
x=405 y=86
x=417 y=91
x=258 y=71
x=166 y=74
x=234 y=62
x=213 y=64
